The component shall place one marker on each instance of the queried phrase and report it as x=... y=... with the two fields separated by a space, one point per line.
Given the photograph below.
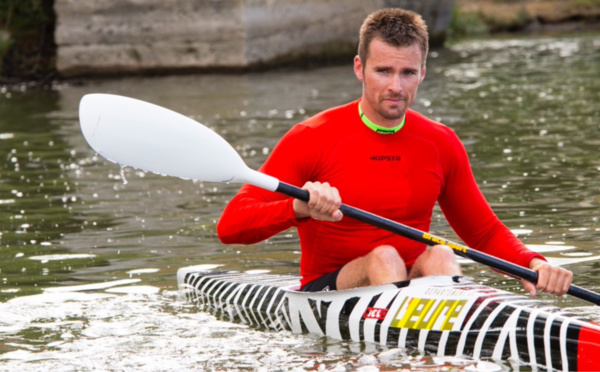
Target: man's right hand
x=324 y=203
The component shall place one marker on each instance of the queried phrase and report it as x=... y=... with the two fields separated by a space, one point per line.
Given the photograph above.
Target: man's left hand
x=551 y=279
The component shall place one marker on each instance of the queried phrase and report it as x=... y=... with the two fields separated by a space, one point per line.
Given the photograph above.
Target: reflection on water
x=105 y=242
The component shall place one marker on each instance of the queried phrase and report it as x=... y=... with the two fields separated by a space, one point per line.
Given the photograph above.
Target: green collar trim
x=378 y=128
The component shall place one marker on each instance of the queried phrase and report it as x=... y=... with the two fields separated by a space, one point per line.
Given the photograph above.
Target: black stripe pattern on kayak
x=497 y=324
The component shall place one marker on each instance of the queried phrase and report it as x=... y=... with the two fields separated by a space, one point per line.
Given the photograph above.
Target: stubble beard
x=391 y=114
x=397 y=112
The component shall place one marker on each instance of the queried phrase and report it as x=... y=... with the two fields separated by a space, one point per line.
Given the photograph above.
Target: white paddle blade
x=152 y=138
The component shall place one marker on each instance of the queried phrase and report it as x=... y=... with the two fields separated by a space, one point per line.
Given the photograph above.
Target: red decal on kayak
x=588 y=353
x=375 y=313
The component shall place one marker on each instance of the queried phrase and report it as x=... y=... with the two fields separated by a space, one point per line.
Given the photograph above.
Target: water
x=89 y=251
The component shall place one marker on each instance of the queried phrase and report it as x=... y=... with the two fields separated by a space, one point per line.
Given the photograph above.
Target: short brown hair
x=395 y=26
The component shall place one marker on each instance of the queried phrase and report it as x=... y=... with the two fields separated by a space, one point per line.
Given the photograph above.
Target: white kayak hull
x=441 y=315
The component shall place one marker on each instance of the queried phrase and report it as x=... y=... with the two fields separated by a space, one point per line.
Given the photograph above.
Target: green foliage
x=5 y=43
x=586 y=3
x=479 y=23
x=26 y=38
x=518 y=21
x=22 y=17
x=463 y=24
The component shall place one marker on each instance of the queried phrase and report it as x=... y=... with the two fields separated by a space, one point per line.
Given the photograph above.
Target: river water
x=89 y=251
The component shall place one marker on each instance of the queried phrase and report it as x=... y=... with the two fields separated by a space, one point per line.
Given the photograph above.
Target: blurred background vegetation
x=28 y=51
x=481 y=17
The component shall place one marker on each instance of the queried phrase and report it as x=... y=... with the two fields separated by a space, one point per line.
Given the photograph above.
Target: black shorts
x=327 y=282
x=323 y=284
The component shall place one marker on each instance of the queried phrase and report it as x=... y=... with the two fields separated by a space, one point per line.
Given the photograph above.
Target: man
x=378 y=155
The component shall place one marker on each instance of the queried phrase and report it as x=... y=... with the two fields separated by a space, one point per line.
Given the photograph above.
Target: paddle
x=149 y=137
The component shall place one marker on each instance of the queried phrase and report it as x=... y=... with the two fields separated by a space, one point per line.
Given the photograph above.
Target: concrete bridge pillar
x=116 y=37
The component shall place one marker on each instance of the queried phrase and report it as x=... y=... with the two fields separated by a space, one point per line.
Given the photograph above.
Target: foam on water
x=61 y=257
x=149 y=331
x=92 y=286
x=138 y=289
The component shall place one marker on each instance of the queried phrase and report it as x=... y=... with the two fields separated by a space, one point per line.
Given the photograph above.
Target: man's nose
x=395 y=84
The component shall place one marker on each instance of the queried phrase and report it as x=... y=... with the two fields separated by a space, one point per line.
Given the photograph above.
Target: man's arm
x=474 y=221
x=255 y=214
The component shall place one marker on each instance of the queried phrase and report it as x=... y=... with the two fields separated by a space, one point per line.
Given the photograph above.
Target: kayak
x=439 y=315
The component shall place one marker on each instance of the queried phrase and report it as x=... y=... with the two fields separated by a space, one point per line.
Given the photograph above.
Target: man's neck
x=379 y=128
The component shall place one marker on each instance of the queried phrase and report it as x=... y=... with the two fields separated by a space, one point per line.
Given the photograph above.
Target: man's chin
x=393 y=114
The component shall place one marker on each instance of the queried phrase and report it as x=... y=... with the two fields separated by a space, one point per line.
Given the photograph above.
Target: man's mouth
x=394 y=100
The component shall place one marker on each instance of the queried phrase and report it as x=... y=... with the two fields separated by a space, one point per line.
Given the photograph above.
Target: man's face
x=391 y=78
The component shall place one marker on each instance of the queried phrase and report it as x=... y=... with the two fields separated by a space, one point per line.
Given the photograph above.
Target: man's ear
x=423 y=71
x=358 y=69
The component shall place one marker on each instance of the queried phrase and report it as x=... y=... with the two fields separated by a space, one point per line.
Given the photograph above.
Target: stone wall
x=437 y=15
x=154 y=36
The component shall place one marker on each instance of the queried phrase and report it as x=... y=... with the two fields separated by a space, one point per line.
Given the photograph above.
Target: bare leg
x=437 y=260
x=381 y=266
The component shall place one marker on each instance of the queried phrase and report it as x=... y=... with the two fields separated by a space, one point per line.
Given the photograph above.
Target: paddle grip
x=428 y=239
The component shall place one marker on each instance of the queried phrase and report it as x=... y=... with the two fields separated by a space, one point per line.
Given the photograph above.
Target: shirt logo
x=385 y=158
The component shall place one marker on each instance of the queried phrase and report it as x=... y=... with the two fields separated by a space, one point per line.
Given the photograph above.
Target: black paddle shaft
x=425 y=238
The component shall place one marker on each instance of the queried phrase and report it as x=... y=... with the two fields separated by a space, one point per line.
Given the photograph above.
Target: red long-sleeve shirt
x=398 y=176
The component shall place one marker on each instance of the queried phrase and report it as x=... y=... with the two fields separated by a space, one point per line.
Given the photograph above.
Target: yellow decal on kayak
x=423 y=313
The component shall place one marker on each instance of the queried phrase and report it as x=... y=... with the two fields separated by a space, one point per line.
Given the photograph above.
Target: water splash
x=122 y=172
x=145 y=330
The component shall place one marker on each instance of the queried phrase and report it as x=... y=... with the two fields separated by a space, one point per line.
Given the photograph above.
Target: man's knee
x=384 y=265
x=442 y=252
x=437 y=260
x=380 y=266
x=385 y=254
x=446 y=258
x=384 y=257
